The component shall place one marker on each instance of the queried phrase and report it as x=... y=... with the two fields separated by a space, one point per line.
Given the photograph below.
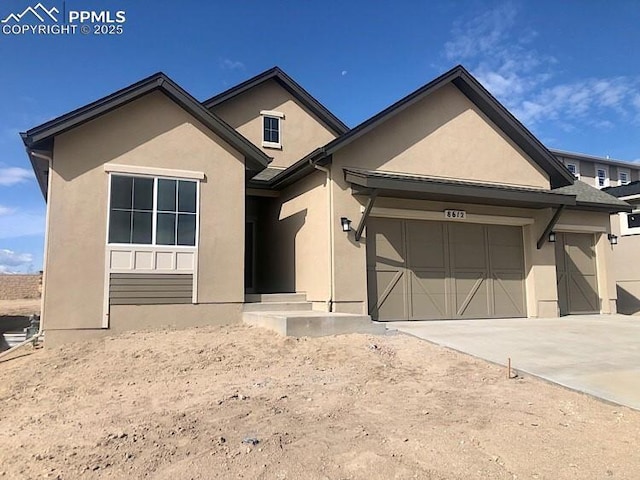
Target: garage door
x=421 y=270
x=576 y=273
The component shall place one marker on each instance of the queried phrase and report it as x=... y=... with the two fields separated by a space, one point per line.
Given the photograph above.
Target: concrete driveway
x=595 y=354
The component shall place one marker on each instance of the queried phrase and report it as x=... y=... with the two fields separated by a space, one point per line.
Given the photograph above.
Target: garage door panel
x=509 y=295
x=425 y=244
x=428 y=294
x=386 y=247
x=583 y=294
x=467 y=246
x=389 y=289
x=471 y=294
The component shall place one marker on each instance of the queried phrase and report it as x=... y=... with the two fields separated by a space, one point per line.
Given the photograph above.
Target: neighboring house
x=162 y=210
x=598 y=171
x=626 y=226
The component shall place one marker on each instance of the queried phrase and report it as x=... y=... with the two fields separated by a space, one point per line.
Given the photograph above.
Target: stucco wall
x=298 y=239
x=155 y=132
x=626 y=258
x=444 y=135
x=301 y=131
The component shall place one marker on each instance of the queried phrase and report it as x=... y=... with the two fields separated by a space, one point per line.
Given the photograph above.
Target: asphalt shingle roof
x=632 y=188
x=586 y=195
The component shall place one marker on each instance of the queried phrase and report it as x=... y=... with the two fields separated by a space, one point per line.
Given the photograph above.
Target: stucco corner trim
x=157 y=172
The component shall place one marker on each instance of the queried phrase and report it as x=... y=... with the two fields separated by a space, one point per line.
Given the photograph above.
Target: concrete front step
x=277 y=306
x=275 y=297
x=313 y=323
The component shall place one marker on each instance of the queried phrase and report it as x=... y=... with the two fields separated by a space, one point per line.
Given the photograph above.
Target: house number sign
x=457 y=214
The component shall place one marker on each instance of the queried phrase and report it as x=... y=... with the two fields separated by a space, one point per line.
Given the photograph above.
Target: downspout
x=327 y=171
x=34 y=339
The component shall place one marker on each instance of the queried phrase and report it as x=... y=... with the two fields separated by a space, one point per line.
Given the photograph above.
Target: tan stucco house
x=164 y=210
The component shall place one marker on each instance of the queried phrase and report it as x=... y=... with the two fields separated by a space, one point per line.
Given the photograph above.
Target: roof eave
x=255 y=159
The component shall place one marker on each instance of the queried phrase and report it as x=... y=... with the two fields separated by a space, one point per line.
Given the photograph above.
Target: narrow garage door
x=421 y=270
x=576 y=273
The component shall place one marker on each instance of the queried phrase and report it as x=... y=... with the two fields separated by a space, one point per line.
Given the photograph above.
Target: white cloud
x=6 y=210
x=14 y=175
x=12 y=262
x=228 y=64
x=500 y=55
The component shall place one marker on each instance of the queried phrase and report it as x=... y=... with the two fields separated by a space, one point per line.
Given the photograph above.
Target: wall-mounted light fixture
x=552 y=237
x=346 y=224
x=613 y=239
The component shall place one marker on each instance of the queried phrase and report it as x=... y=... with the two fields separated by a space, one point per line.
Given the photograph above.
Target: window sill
x=275 y=146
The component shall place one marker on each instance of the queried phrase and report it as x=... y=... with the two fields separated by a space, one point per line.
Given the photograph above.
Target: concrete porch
x=290 y=314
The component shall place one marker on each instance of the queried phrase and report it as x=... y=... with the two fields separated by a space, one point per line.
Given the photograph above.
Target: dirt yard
x=20 y=307
x=239 y=402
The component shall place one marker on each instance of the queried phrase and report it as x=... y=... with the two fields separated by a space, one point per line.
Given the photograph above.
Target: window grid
x=271 y=129
x=601 y=177
x=623 y=176
x=154 y=212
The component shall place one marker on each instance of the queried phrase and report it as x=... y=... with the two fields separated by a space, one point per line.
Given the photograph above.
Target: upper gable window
x=602 y=176
x=623 y=176
x=272 y=128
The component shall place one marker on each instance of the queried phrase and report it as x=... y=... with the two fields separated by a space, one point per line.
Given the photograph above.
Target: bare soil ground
x=20 y=307
x=240 y=402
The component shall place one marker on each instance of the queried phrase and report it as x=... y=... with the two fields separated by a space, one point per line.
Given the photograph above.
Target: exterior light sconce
x=552 y=237
x=613 y=239
x=346 y=224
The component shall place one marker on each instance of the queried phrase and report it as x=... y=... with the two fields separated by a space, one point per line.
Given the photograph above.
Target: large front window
x=152 y=211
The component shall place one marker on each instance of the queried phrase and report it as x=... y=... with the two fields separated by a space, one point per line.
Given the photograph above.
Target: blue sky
x=569 y=70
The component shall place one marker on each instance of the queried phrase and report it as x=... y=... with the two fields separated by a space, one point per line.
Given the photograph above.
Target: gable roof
x=304 y=97
x=41 y=137
x=493 y=109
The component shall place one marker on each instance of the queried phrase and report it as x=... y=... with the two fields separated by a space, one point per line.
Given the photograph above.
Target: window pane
x=167 y=195
x=166 y=229
x=187 y=197
x=143 y=193
x=121 y=191
x=633 y=220
x=120 y=227
x=275 y=136
x=186 y=230
x=142 y=227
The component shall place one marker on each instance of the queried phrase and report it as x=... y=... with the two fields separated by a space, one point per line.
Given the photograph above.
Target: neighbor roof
x=622 y=191
x=590 y=198
x=593 y=158
x=292 y=87
x=41 y=137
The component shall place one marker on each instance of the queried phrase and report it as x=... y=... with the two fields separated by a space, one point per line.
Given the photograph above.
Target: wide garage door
x=421 y=270
x=576 y=273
